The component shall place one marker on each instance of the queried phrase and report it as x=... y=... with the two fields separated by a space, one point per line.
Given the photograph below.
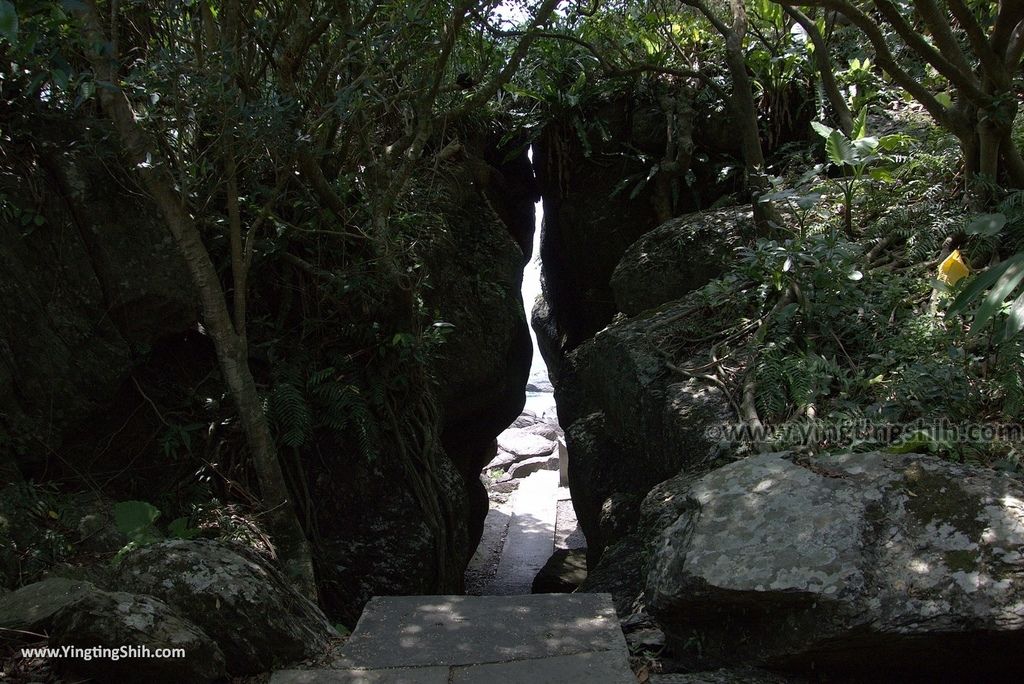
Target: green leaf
x=993 y=301
x=944 y=99
x=1015 y=321
x=986 y=224
x=8 y=22
x=981 y=283
x=821 y=129
x=179 y=529
x=839 y=149
x=135 y=519
x=860 y=125
x=883 y=175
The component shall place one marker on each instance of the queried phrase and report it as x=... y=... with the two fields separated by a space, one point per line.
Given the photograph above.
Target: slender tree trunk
x=152 y=170
x=743 y=96
x=826 y=73
x=1013 y=163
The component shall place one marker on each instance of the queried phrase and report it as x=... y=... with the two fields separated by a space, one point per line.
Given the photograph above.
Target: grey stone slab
x=403 y=675
x=398 y=631
x=605 y=667
x=33 y=607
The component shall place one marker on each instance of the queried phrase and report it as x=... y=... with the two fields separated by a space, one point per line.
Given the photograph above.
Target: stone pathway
x=538 y=639
x=530 y=539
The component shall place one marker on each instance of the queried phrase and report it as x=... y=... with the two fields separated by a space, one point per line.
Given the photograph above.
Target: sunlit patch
x=919 y=566
x=764 y=485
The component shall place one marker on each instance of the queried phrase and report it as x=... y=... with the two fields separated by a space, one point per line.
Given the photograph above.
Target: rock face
x=679 y=256
x=603 y=194
x=33 y=607
x=235 y=597
x=630 y=424
x=82 y=288
x=812 y=565
x=583 y=239
x=77 y=614
x=391 y=527
x=525 y=443
x=115 y=619
x=529 y=466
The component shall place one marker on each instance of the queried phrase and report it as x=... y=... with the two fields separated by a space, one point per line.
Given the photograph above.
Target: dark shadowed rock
x=235 y=596
x=563 y=573
x=853 y=563
x=678 y=257
x=622 y=569
x=113 y=620
x=82 y=292
x=33 y=607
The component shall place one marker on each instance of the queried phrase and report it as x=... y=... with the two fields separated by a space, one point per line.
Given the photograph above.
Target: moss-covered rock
x=234 y=596
x=815 y=564
x=678 y=257
x=133 y=633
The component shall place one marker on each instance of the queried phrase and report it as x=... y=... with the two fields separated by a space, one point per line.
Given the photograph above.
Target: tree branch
x=824 y=64
x=885 y=58
x=938 y=23
x=990 y=60
x=966 y=83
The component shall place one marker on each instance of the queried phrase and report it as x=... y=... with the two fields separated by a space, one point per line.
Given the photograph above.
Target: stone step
x=531 y=639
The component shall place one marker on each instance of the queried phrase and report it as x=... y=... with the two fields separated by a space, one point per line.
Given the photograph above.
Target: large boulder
x=235 y=596
x=77 y=614
x=634 y=164
x=89 y=278
x=32 y=608
x=475 y=277
x=624 y=564
x=117 y=622
x=407 y=520
x=678 y=257
x=630 y=421
x=866 y=564
x=525 y=443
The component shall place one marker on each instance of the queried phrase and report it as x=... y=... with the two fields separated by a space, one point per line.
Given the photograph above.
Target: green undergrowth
x=845 y=337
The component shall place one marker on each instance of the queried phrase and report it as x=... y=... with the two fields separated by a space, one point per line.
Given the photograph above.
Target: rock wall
x=377 y=539
x=476 y=280
x=630 y=420
x=93 y=290
x=608 y=177
x=89 y=282
x=857 y=565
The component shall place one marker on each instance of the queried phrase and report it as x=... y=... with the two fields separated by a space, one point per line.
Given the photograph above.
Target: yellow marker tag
x=953 y=268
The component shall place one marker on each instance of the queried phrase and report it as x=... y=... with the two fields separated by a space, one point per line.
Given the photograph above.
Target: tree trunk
x=282 y=521
x=826 y=72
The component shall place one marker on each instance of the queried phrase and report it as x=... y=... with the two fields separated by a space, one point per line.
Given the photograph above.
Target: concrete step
x=532 y=639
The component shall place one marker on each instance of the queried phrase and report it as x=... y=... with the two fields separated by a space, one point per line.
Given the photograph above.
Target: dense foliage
x=300 y=153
